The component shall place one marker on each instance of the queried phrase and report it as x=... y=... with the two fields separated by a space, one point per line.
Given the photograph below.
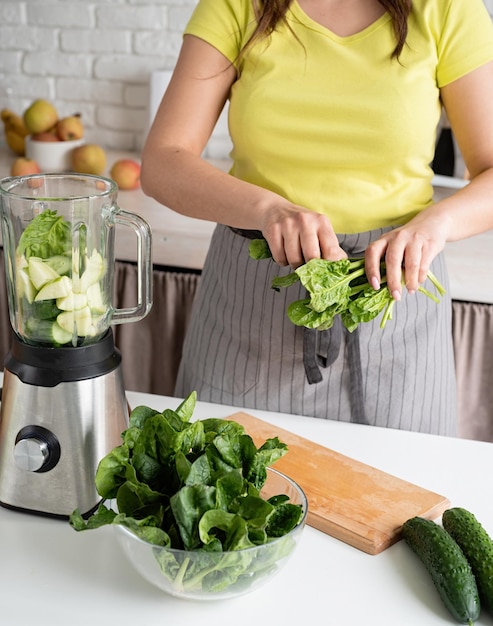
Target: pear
x=89 y=158
x=40 y=116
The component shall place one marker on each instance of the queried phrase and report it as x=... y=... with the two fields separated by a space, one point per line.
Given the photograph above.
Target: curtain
x=473 y=348
x=151 y=348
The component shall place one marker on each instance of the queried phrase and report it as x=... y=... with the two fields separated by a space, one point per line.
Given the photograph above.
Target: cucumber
x=448 y=567
x=477 y=545
x=43 y=310
x=48 y=332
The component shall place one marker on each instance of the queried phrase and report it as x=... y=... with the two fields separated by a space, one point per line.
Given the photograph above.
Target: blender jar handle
x=144 y=268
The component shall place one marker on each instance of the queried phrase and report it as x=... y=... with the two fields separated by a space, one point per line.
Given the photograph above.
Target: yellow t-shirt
x=333 y=123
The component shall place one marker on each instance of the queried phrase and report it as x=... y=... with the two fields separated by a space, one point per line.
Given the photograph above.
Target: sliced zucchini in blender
x=72 y=302
x=93 y=271
x=25 y=287
x=40 y=273
x=95 y=299
x=57 y=288
x=60 y=263
x=79 y=321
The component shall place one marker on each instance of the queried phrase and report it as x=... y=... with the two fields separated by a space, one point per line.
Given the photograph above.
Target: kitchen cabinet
x=151 y=348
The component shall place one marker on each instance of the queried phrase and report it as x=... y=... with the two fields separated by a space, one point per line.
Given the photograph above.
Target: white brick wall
x=92 y=57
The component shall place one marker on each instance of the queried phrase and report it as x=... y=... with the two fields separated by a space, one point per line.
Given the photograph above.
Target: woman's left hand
x=411 y=248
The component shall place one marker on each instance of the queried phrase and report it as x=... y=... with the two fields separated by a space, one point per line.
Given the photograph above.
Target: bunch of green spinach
x=195 y=486
x=337 y=288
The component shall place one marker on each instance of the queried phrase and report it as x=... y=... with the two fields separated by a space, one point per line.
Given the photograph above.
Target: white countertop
x=52 y=576
x=180 y=241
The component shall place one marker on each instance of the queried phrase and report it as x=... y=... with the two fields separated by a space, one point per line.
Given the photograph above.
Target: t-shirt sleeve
x=225 y=24
x=466 y=40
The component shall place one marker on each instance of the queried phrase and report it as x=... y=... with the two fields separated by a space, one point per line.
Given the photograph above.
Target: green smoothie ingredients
x=337 y=288
x=57 y=287
x=194 y=485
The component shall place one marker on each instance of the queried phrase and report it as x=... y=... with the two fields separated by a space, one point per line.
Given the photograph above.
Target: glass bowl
x=201 y=575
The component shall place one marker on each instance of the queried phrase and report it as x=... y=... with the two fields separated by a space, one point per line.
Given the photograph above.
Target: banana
x=15 y=142
x=15 y=131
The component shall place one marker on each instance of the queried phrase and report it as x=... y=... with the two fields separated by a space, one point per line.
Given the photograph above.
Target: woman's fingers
x=300 y=236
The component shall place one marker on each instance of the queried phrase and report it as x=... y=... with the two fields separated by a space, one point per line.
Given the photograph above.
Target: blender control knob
x=36 y=449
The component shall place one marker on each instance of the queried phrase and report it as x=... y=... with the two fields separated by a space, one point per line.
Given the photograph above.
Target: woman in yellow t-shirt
x=333 y=110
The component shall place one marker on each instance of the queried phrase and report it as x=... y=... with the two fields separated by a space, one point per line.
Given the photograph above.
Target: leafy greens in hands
x=193 y=485
x=337 y=288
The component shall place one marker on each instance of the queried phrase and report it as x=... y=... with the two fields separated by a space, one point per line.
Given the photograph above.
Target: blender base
x=52 y=439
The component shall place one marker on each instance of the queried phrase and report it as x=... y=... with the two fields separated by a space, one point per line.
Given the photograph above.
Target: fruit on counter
x=70 y=128
x=40 y=116
x=126 y=174
x=477 y=545
x=15 y=131
x=23 y=166
x=89 y=159
x=448 y=567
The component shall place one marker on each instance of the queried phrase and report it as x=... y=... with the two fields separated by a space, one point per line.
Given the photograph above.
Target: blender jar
x=58 y=236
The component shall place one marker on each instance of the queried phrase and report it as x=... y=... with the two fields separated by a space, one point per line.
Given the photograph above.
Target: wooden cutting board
x=349 y=500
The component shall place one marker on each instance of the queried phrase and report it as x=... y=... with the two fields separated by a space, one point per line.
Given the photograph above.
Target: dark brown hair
x=270 y=12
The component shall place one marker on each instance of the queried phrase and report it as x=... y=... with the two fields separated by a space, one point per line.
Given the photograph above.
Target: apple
x=45 y=136
x=69 y=128
x=126 y=173
x=40 y=116
x=89 y=158
x=22 y=166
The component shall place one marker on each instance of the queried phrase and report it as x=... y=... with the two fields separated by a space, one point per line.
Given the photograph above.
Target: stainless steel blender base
x=52 y=439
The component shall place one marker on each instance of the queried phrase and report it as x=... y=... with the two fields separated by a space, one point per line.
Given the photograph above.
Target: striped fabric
x=242 y=350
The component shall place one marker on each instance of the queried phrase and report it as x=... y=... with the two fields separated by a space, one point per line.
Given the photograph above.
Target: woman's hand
x=296 y=235
x=411 y=248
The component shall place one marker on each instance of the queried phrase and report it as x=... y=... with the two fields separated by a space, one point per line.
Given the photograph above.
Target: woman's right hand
x=296 y=235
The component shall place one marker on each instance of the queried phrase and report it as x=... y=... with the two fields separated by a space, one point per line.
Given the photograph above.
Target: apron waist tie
x=321 y=348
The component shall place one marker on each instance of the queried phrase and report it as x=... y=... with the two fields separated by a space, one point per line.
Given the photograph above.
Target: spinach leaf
x=47 y=235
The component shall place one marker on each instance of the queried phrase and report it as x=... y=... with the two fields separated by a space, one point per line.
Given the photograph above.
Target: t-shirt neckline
x=305 y=19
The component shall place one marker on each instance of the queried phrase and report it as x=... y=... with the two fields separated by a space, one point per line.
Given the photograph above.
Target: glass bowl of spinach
x=217 y=572
x=197 y=508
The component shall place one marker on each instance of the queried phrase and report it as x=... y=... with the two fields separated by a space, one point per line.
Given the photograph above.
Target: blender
x=63 y=400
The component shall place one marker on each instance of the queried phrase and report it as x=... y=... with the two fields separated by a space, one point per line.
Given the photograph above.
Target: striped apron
x=242 y=350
